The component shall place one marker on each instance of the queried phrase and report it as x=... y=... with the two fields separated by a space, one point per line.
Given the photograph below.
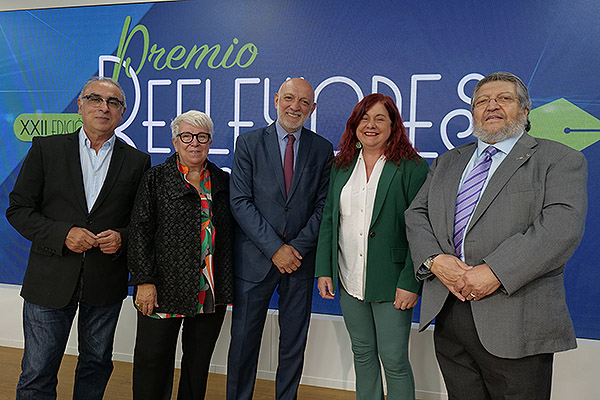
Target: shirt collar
x=282 y=133
x=362 y=159
x=504 y=146
x=84 y=141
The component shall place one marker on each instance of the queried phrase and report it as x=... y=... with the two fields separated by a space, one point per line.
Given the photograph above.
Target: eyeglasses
x=501 y=100
x=96 y=101
x=187 y=137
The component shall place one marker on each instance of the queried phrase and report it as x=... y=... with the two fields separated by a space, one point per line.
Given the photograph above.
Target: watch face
x=429 y=262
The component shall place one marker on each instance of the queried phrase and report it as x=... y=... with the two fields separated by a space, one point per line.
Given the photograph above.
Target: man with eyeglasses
x=490 y=233
x=72 y=199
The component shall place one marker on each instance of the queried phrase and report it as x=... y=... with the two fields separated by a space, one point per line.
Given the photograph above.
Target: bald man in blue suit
x=276 y=240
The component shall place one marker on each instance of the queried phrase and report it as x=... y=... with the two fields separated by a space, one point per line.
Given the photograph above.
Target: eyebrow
x=487 y=95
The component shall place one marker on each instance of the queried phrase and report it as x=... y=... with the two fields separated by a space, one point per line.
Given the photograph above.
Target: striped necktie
x=468 y=196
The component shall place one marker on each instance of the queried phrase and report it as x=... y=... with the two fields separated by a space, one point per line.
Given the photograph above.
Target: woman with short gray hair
x=180 y=259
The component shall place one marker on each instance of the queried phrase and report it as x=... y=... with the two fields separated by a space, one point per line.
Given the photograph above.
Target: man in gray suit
x=490 y=233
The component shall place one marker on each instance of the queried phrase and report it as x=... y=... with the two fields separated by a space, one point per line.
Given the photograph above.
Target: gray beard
x=506 y=132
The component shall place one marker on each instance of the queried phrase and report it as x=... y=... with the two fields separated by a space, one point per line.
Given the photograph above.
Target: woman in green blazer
x=362 y=244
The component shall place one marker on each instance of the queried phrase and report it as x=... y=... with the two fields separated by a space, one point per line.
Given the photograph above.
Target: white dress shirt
x=356 y=209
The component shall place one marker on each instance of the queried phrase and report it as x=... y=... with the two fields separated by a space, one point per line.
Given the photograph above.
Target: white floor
x=328 y=356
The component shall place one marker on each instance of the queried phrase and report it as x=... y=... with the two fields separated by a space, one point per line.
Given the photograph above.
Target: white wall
x=328 y=360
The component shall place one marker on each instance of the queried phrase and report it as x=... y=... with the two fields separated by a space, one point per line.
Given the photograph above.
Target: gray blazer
x=527 y=224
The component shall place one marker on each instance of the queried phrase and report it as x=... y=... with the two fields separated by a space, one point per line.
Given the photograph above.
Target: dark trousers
x=154 y=355
x=472 y=373
x=247 y=324
x=46 y=333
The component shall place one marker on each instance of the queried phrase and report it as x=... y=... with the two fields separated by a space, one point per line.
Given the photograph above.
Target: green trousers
x=379 y=331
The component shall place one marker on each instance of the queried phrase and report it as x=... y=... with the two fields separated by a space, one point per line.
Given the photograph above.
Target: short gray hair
x=522 y=92
x=102 y=79
x=195 y=118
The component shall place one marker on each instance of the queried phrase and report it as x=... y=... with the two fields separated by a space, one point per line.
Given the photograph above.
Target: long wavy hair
x=398 y=147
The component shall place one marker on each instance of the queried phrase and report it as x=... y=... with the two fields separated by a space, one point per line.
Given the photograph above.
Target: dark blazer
x=389 y=265
x=49 y=199
x=262 y=209
x=164 y=244
x=527 y=224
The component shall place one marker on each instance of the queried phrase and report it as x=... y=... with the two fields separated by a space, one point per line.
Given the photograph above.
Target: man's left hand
x=109 y=241
x=478 y=282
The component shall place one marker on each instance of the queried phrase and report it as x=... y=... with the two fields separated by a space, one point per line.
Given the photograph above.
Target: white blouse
x=356 y=208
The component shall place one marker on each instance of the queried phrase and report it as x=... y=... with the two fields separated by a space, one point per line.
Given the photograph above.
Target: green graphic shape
x=566 y=123
x=27 y=126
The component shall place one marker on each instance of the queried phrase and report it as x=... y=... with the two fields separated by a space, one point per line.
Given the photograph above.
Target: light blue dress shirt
x=94 y=166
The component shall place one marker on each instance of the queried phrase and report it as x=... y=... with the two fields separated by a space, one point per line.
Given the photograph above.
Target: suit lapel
x=518 y=156
x=74 y=167
x=383 y=187
x=341 y=179
x=272 y=147
x=303 y=152
x=452 y=183
x=114 y=168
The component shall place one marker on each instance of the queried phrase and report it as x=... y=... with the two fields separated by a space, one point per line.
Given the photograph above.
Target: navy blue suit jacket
x=262 y=209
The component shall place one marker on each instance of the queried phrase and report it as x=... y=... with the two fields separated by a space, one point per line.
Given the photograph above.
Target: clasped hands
x=464 y=281
x=287 y=259
x=79 y=240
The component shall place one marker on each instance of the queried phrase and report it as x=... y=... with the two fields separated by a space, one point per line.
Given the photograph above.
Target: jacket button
x=287 y=209
x=372 y=234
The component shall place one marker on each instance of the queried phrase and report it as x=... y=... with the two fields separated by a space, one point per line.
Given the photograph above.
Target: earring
x=358 y=144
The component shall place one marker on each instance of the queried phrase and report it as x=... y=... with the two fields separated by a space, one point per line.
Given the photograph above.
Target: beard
x=507 y=131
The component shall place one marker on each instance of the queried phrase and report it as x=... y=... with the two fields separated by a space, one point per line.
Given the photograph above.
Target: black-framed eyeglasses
x=96 y=101
x=187 y=137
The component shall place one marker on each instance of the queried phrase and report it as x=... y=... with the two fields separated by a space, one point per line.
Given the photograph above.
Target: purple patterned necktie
x=288 y=162
x=468 y=196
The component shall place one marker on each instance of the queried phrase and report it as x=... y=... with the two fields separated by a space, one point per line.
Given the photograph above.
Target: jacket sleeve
x=142 y=230
x=419 y=232
x=26 y=203
x=248 y=217
x=413 y=181
x=125 y=230
x=324 y=260
x=555 y=233
x=306 y=240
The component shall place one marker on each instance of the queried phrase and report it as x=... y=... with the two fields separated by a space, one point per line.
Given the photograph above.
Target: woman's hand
x=145 y=299
x=405 y=300
x=326 y=289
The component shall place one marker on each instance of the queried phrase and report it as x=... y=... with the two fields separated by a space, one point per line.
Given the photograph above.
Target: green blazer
x=389 y=264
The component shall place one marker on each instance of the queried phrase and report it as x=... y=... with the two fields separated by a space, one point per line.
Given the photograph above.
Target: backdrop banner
x=228 y=58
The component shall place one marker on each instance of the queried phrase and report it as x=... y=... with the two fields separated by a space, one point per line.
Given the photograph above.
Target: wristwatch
x=429 y=262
